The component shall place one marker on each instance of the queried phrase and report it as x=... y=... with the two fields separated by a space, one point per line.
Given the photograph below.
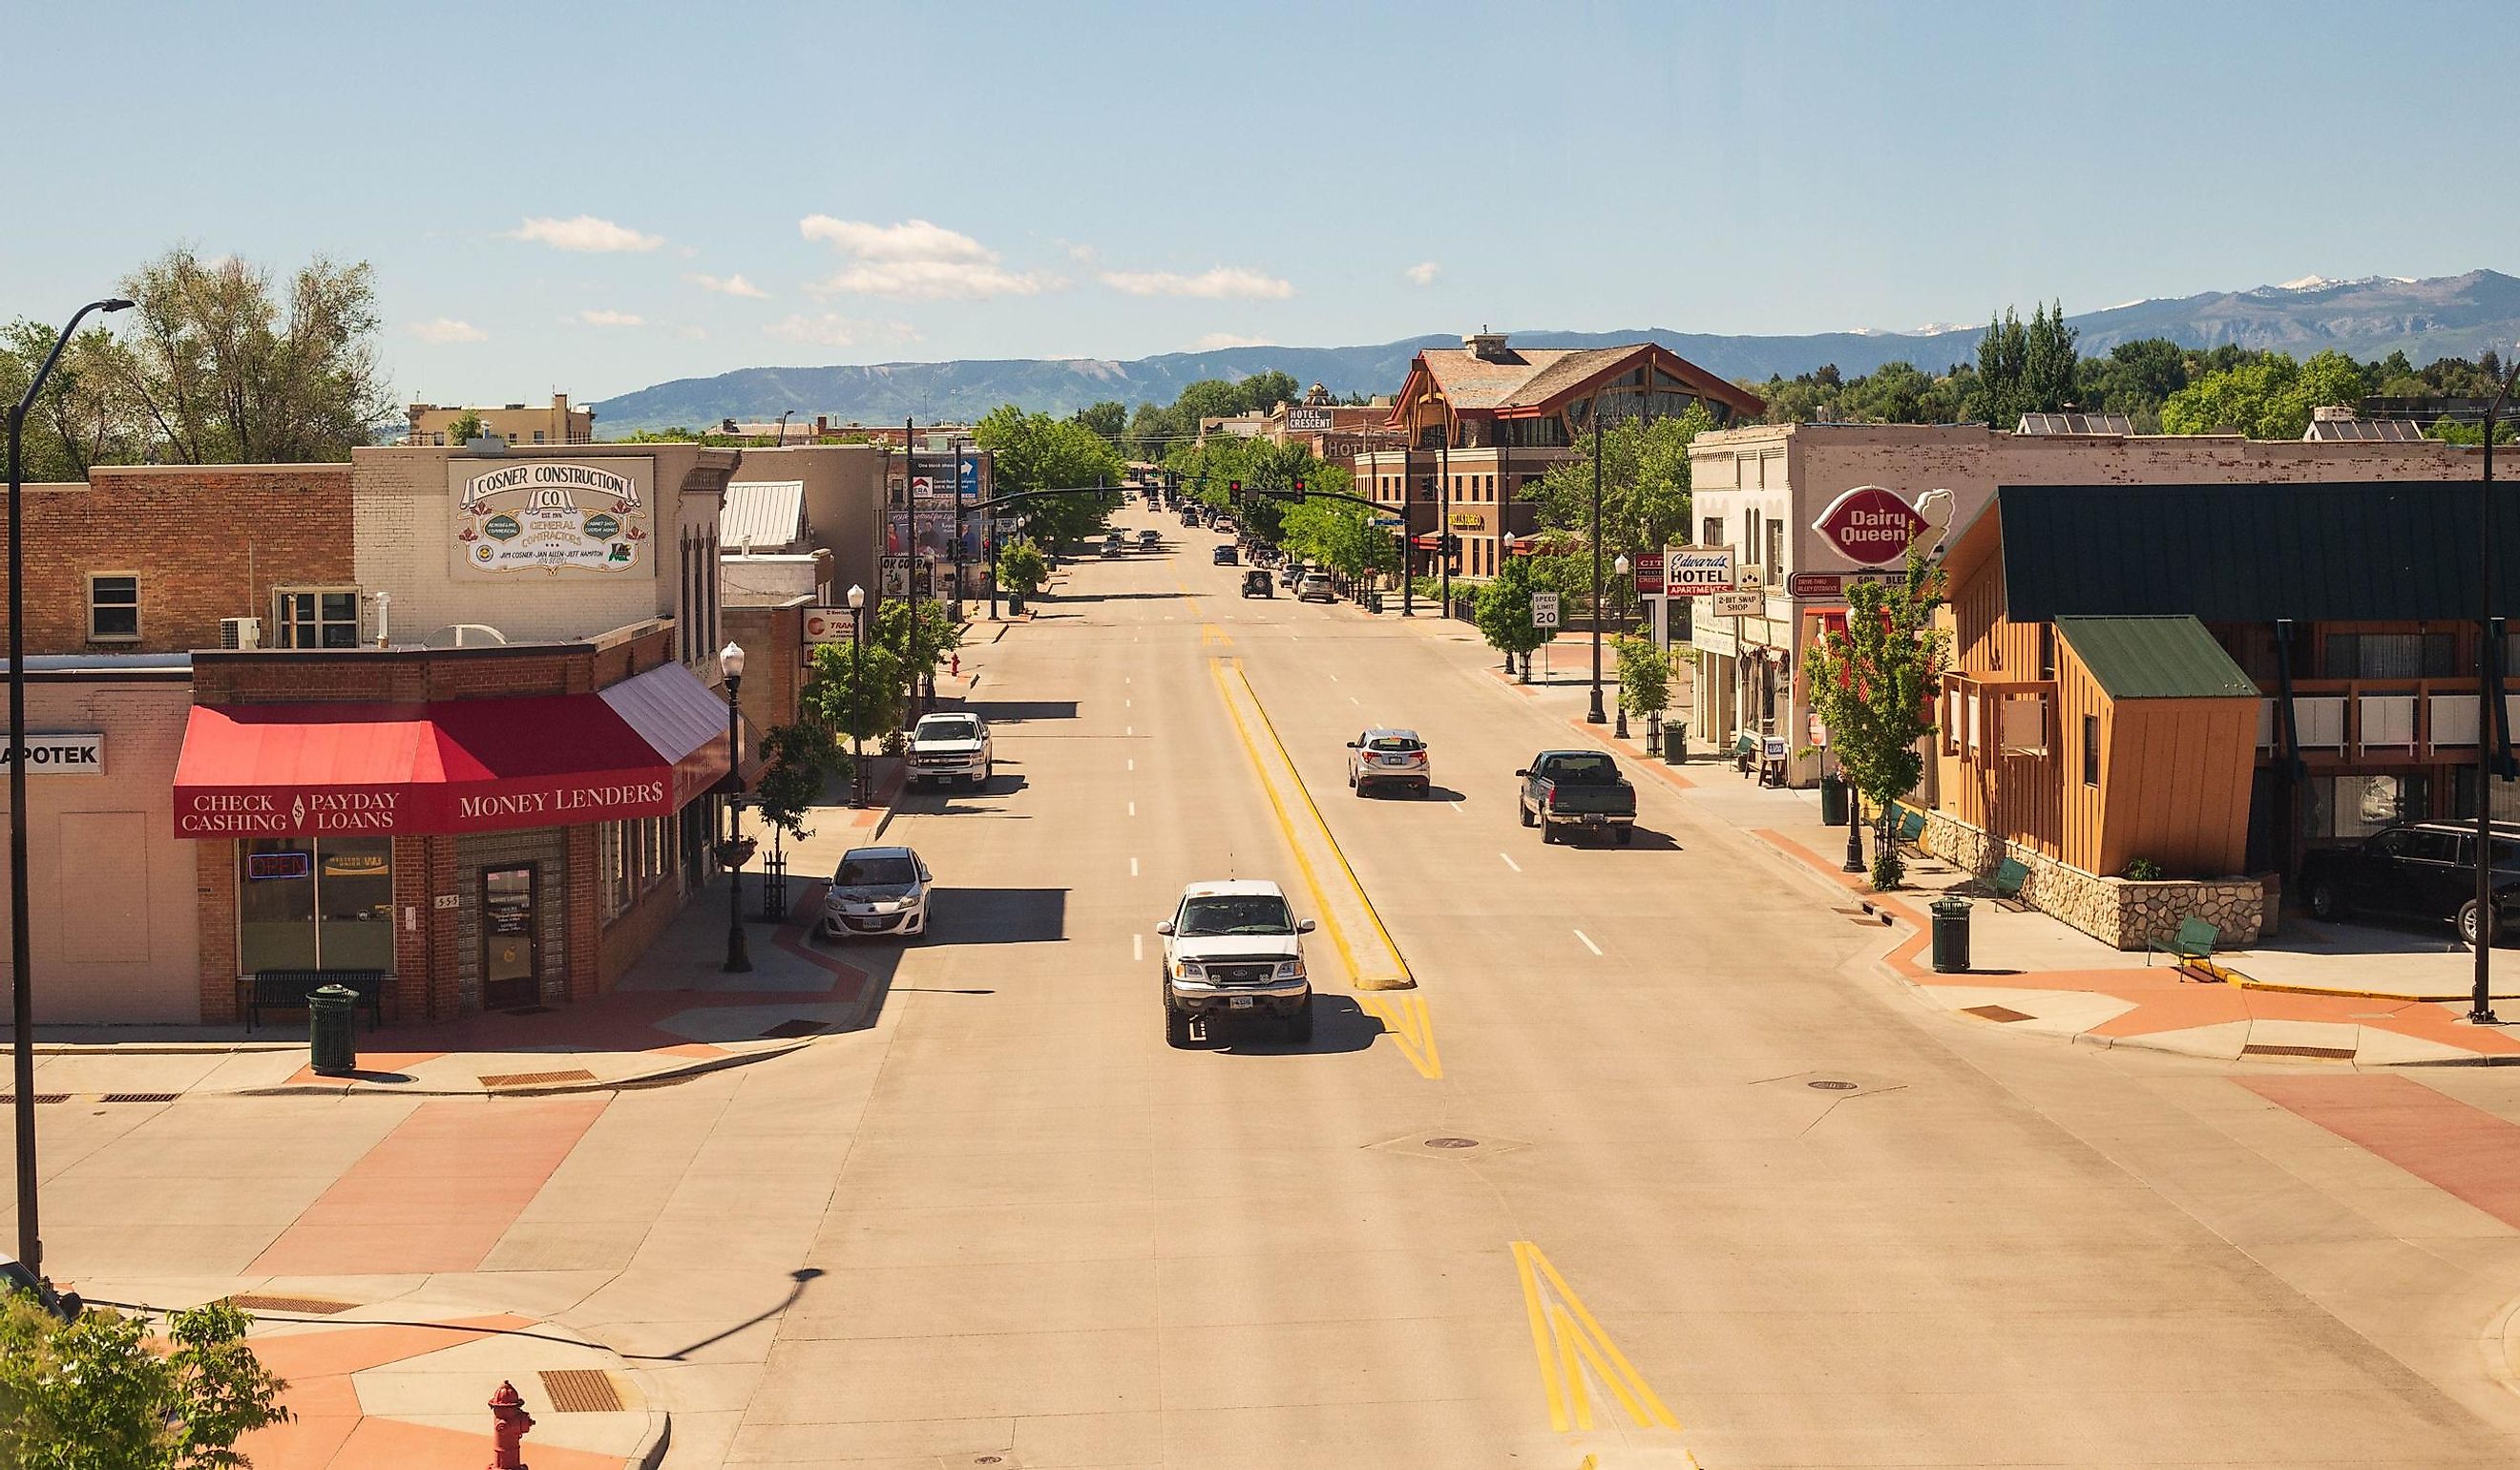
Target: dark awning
x=2361 y=551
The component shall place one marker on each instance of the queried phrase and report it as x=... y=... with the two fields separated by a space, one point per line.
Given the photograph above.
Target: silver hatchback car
x=877 y=891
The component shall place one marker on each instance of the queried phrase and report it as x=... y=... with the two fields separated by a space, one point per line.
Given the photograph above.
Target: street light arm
x=35 y=385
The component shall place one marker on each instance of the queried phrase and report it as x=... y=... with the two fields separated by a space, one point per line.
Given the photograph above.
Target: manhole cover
x=1452 y=1142
x=1833 y=1085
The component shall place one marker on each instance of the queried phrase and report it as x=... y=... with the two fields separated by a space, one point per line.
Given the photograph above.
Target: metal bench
x=2009 y=875
x=1745 y=752
x=2193 y=944
x=1908 y=828
x=287 y=990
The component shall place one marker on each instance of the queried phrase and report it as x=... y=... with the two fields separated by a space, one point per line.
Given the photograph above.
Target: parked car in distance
x=1149 y=536
x=1577 y=790
x=1111 y=549
x=951 y=746
x=1225 y=557
x=1315 y=587
x=1256 y=584
x=2416 y=871
x=877 y=890
x=1234 y=947
x=1386 y=757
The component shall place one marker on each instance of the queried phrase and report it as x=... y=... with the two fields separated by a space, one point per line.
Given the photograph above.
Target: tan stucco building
x=521 y=425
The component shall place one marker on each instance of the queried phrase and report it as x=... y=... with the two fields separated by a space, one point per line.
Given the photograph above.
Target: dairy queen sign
x=1871 y=525
x=552 y=517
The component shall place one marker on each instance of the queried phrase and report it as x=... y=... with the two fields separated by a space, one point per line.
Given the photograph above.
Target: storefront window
x=2357 y=806
x=315 y=903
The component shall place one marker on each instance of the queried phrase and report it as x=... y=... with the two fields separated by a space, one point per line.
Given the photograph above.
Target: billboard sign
x=552 y=517
x=1315 y=420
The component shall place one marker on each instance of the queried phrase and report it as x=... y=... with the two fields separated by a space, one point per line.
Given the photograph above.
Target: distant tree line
x=2161 y=386
x=1151 y=430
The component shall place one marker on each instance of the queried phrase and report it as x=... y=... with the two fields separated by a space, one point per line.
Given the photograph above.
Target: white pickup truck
x=950 y=747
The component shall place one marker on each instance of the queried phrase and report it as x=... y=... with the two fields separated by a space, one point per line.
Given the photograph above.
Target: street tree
x=1022 y=567
x=938 y=635
x=853 y=690
x=1645 y=484
x=1338 y=534
x=1036 y=452
x=1645 y=676
x=1873 y=686
x=105 y=1392
x=801 y=759
x=1108 y=419
x=1503 y=610
x=223 y=363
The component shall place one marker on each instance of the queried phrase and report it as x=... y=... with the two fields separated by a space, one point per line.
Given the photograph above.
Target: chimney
x=1485 y=345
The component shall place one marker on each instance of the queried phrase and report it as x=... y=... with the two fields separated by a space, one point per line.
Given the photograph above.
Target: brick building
x=486 y=759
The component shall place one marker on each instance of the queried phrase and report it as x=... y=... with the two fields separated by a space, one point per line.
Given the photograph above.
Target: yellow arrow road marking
x=1566 y=1339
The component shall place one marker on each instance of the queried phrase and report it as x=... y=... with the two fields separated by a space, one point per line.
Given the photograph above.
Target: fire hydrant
x=509 y=1422
x=955 y=666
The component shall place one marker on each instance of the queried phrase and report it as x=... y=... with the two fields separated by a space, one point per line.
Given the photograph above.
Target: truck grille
x=1240 y=974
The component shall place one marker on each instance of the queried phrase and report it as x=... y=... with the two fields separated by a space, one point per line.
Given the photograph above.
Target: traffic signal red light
x=1299 y=492
x=1234 y=492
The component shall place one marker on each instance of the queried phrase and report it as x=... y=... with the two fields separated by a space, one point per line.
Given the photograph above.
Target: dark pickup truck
x=1577 y=790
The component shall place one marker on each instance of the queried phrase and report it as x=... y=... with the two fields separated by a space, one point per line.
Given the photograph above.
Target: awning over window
x=644 y=747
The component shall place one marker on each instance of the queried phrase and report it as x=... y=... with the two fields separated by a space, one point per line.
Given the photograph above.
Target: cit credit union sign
x=553 y=519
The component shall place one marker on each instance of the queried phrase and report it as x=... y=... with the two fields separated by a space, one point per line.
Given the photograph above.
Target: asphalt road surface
x=1651 y=1167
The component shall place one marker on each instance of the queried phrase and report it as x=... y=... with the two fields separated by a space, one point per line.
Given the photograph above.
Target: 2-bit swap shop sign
x=1871 y=525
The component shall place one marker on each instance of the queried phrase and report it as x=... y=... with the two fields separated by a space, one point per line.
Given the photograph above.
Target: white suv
x=950 y=747
x=1234 y=947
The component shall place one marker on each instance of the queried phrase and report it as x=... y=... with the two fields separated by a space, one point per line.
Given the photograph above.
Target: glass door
x=510 y=938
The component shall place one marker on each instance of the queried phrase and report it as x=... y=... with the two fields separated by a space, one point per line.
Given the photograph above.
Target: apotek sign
x=1871 y=525
x=1697 y=571
x=57 y=754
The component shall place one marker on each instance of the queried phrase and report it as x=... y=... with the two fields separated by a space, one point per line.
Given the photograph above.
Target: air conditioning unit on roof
x=240 y=633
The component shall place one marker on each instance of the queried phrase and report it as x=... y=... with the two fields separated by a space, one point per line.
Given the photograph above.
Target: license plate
x=1240 y=1002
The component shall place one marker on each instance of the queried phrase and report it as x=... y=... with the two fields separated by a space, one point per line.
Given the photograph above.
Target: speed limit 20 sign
x=1543 y=610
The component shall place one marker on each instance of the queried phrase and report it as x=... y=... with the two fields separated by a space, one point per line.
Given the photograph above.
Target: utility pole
x=1444 y=507
x=910 y=515
x=1593 y=715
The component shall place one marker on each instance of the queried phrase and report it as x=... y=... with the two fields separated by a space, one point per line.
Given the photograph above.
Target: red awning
x=641 y=748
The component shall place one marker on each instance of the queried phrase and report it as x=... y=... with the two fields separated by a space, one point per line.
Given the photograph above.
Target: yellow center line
x=1566 y=1339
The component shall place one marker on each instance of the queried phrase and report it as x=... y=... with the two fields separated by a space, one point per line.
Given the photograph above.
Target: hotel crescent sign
x=1871 y=525
x=552 y=517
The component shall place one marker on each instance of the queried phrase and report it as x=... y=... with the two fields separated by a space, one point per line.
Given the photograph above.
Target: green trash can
x=1832 y=801
x=1675 y=743
x=1950 y=935
x=332 y=1021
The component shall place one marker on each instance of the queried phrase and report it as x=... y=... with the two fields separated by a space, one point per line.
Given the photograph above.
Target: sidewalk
x=2324 y=992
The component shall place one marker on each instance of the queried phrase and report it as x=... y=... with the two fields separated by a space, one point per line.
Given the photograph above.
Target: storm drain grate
x=580 y=1391
x=790 y=1030
x=141 y=1097
x=2330 y=1053
x=10 y=1100
x=536 y=1079
x=304 y=1305
x=1996 y=1012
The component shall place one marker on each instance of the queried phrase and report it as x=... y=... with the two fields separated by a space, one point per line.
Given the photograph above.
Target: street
x=1651 y=1165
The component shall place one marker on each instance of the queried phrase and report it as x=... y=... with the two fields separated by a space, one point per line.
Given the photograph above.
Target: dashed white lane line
x=1456 y=806
x=1133 y=873
x=1136 y=947
x=1133 y=809
x=1510 y=863
x=1133 y=763
x=1578 y=934
x=1353 y=699
x=1333 y=678
x=1129 y=729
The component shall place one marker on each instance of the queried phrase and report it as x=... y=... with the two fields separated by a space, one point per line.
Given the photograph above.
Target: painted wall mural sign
x=562 y=519
x=1871 y=525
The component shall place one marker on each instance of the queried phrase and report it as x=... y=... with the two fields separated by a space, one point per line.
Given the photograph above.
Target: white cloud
x=832 y=329
x=608 y=318
x=728 y=286
x=1216 y=340
x=1424 y=273
x=1219 y=283
x=584 y=232
x=916 y=260
x=444 y=330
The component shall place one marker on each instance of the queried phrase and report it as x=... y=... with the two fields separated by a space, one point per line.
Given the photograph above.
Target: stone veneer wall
x=2117 y=911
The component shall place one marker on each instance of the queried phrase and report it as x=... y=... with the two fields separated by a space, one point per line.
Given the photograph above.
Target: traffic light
x=1452 y=545
x=1298 y=493
x=1234 y=492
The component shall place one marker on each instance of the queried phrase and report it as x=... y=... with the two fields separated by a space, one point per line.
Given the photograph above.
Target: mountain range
x=2443 y=316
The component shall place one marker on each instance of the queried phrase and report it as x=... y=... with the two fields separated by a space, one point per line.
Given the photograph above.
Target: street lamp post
x=2488 y=748
x=21 y=992
x=1444 y=508
x=1593 y=715
x=1621 y=568
x=857 y=685
x=729 y=662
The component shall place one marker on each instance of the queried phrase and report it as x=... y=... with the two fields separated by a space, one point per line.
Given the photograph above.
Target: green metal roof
x=2155 y=658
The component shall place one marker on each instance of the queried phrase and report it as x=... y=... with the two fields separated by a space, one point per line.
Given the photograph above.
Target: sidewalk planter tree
x=1503 y=610
x=100 y=1394
x=1023 y=569
x=1645 y=676
x=1873 y=686
x=802 y=758
x=854 y=692
x=938 y=636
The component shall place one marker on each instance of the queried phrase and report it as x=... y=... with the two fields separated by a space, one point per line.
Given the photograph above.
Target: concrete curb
x=650 y=1452
x=656 y=1077
x=160 y=1048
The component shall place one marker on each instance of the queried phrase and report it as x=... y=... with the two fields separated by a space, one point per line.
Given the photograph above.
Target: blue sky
x=595 y=198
